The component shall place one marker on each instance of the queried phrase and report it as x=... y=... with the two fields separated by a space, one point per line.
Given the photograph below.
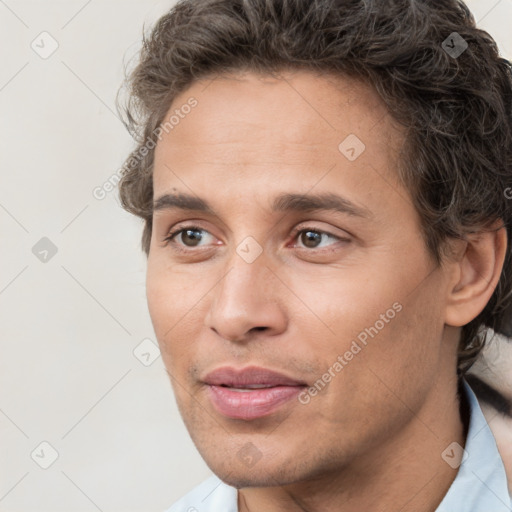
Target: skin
x=373 y=438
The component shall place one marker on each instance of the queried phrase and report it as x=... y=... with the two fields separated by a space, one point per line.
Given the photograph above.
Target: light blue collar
x=481 y=482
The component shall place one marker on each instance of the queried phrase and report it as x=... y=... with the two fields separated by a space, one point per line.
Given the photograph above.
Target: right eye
x=188 y=233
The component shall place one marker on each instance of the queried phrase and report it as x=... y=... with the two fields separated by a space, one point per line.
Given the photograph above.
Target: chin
x=250 y=478
x=236 y=473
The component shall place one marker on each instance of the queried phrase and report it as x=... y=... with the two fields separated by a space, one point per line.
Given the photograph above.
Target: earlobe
x=476 y=274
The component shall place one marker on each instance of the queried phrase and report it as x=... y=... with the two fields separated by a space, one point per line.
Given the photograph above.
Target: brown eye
x=187 y=236
x=191 y=235
x=310 y=238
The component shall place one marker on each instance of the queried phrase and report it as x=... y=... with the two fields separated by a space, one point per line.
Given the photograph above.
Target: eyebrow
x=283 y=203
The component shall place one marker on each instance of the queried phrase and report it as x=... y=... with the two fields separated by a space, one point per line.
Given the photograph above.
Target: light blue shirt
x=480 y=484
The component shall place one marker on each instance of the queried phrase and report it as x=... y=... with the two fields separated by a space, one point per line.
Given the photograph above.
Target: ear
x=476 y=272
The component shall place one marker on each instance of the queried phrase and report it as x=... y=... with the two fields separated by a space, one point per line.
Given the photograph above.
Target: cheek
x=347 y=303
x=172 y=293
x=172 y=302
x=380 y=318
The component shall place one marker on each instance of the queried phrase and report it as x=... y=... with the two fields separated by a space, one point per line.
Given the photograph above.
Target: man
x=323 y=186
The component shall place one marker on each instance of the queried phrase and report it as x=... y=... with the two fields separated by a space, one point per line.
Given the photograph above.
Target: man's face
x=292 y=291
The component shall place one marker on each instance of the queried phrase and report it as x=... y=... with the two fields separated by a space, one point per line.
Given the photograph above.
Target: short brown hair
x=456 y=158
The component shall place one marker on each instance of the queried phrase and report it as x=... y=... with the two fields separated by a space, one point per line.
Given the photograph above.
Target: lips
x=250 y=377
x=251 y=392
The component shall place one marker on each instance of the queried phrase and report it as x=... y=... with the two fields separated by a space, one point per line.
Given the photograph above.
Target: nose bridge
x=245 y=298
x=241 y=288
x=240 y=283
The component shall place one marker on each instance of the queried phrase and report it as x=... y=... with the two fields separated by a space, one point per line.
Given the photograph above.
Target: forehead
x=295 y=109
x=292 y=129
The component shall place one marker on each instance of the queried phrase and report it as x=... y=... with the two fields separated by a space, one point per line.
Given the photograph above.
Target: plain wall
x=70 y=324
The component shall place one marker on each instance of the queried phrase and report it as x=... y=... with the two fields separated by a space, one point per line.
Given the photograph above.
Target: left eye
x=310 y=237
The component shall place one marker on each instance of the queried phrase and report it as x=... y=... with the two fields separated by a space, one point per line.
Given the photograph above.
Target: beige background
x=70 y=325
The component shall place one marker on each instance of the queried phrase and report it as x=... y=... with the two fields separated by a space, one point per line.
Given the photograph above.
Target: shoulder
x=211 y=495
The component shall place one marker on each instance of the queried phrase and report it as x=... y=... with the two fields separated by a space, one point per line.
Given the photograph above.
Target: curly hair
x=456 y=159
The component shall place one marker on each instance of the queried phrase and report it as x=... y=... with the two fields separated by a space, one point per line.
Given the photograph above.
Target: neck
x=407 y=474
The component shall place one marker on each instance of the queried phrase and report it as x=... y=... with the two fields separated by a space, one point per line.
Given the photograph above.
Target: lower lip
x=249 y=405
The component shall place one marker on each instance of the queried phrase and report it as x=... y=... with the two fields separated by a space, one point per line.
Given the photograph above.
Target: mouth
x=250 y=393
x=249 y=387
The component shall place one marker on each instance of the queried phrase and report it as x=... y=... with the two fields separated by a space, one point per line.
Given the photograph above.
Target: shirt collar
x=481 y=481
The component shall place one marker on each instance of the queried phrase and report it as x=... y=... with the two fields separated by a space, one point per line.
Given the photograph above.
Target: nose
x=248 y=299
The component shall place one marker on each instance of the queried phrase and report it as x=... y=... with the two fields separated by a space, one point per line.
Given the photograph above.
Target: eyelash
x=297 y=231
